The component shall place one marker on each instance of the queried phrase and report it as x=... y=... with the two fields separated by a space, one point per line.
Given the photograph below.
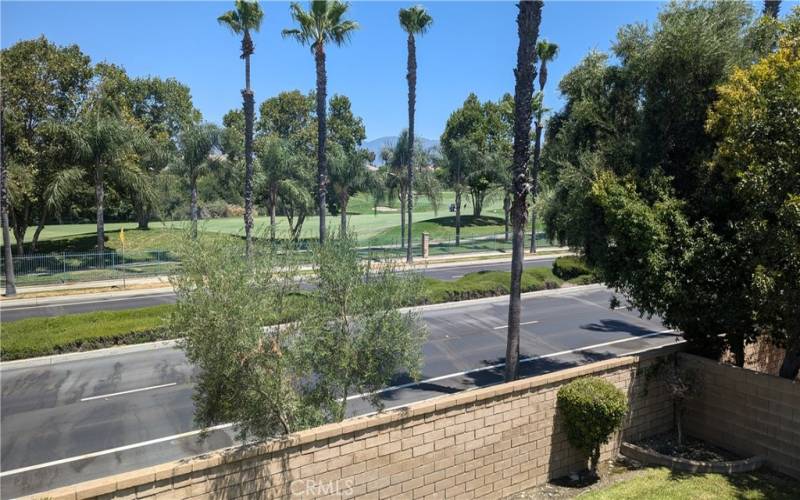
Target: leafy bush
x=592 y=409
x=570 y=267
x=486 y=284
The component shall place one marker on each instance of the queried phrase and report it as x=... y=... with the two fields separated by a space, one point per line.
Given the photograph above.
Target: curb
x=81 y=355
x=159 y=344
x=650 y=457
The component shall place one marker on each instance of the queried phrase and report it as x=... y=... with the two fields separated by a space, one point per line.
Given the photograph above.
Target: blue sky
x=471 y=47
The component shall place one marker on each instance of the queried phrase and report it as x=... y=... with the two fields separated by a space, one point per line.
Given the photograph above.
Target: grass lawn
x=661 y=483
x=361 y=219
x=43 y=336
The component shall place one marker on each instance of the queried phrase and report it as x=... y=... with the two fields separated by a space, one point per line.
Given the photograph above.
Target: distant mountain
x=375 y=145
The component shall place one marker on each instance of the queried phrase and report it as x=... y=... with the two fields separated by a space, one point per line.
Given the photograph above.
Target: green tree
x=41 y=84
x=197 y=146
x=298 y=372
x=545 y=52
x=11 y=287
x=348 y=176
x=528 y=21
x=323 y=23
x=414 y=21
x=275 y=160
x=246 y=17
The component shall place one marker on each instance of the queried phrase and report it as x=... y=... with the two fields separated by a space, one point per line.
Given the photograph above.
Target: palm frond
x=61 y=185
x=232 y=21
x=415 y=20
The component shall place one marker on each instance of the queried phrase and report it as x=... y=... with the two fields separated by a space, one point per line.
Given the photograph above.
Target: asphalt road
x=83 y=419
x=59 y=306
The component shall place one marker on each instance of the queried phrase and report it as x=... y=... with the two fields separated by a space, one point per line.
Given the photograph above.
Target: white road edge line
x=112 y=450
x=500 y=365
x=388 y=389
x=525 y=323
x=104 y=396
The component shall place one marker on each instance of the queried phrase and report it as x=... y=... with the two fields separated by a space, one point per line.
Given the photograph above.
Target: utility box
x=426 y=243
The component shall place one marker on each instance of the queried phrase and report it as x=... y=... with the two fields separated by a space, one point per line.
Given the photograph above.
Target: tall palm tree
x=415 y=21
x=322 y=23
x=197 y=143
x=528 y=20
x=546 y=52
x=11 y=287
x=246 y=17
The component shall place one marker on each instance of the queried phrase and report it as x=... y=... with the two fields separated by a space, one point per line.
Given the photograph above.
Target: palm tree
x=246 y=17
x=528 y=20
x=348 y=176
x=415 y=21
x=197 y=143
x=546 y=52
x=321 y=24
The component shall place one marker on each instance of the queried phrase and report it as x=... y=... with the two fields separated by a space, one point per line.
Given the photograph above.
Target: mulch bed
x=691 y=449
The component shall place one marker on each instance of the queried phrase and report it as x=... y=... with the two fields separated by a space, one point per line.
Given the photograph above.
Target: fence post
x=64 y=267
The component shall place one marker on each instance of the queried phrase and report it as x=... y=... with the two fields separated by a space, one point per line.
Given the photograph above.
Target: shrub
x=592 y=409
x=570 y=267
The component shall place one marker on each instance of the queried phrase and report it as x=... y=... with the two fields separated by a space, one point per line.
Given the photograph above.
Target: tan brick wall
x=488 y=442
x=746 y=412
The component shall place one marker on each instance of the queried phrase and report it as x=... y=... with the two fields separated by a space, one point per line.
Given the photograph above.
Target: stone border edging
x=650 y=457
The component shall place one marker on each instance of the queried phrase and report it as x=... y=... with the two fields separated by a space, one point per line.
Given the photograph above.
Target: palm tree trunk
x=458 y=217
x=528 y=20
x=537 y=154
x=193 y=187
x=402 y=220
x=99 y=193
x=249 y=99
x=8 y=259
x=322 y=132
x=411 y=76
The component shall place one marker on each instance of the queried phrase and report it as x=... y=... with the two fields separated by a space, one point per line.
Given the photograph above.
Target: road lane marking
x=388 y=389
x=104 y=396
x=112 y=450
x=501 y=365
x=525 y=323
x=73 y=302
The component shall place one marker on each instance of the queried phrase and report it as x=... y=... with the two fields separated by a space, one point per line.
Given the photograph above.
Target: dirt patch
x=691 y=449
x=616 y=471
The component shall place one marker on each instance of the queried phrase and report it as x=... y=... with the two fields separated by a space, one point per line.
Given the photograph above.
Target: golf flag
x=122 y=236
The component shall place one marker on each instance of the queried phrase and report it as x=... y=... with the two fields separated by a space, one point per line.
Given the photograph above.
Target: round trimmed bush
x=570 y=267
x=592 y=409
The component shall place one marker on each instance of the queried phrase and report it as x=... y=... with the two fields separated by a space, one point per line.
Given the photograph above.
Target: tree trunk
x=402 y=220
x=791 y=363
x=343 y=200
x=39 y=228
x=249 y=99
x=528 y=20
x=537 y=153
x=143 y=219
x=193 y=188
x=477 y=204
x=737 y=349
x=506 y=211
x=411 y=76
x=273 y=201
x=19 y=237
x=8 y=259
x=322 y=131
x=99 y=193
x=458 y=217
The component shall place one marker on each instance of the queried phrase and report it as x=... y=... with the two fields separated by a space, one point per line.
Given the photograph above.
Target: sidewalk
x=132 y=286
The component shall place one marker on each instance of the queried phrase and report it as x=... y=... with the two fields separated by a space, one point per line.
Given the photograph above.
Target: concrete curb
x=159 y=344
x=650 y=457
x=82 y=355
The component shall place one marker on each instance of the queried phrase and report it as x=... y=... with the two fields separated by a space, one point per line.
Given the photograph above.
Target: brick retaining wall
x=746 y=412
x=488 y=442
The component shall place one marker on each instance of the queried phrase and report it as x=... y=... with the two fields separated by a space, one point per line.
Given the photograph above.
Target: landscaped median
x=87 y=331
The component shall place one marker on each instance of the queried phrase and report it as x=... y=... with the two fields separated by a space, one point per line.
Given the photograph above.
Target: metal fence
x=66 y=267
x=70 y=267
